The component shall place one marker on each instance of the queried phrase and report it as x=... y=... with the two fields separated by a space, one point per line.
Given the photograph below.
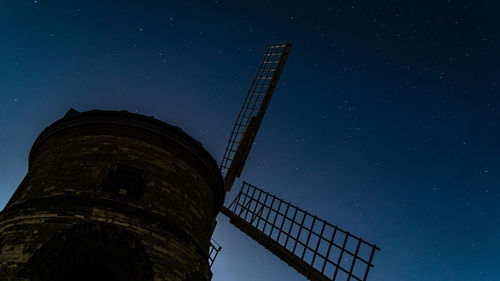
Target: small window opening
x=126 y=182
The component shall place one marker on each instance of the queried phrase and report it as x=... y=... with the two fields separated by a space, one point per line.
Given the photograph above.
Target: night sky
x=385 y=121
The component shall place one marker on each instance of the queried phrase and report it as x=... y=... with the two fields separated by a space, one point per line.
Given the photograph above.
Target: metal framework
x=314 y=247
x=252 y=112
x=213 y=252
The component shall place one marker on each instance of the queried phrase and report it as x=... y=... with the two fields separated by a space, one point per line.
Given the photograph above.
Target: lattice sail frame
x=213 y=251
x=314 y=247
x=252 y=112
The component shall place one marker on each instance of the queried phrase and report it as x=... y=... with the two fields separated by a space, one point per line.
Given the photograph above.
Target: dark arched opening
x=89 y=271
x=91 y=252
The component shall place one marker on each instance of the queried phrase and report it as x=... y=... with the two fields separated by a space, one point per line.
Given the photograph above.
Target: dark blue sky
x=385 y=121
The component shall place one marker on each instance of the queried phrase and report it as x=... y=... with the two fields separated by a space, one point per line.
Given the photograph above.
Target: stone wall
x=132 y=175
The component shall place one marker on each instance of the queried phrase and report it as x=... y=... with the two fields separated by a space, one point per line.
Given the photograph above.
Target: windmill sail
x=314 y=247
x=213 y=251
x=252 y=112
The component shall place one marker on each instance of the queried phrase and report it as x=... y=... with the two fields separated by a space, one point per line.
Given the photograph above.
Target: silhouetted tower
x=119 y=196
x=112 y=196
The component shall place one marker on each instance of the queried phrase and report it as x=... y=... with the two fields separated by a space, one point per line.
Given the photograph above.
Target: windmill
x=315 y=248
x=113 y=195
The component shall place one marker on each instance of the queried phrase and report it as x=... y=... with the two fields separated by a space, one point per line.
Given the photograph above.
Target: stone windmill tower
x=111 y=195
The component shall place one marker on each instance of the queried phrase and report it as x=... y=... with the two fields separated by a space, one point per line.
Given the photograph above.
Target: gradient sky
x=385 y=121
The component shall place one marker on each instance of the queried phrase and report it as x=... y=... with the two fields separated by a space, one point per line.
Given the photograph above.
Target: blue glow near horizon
x=385 y=121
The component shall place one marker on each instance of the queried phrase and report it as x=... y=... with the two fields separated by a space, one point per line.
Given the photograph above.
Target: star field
x=385 y=121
